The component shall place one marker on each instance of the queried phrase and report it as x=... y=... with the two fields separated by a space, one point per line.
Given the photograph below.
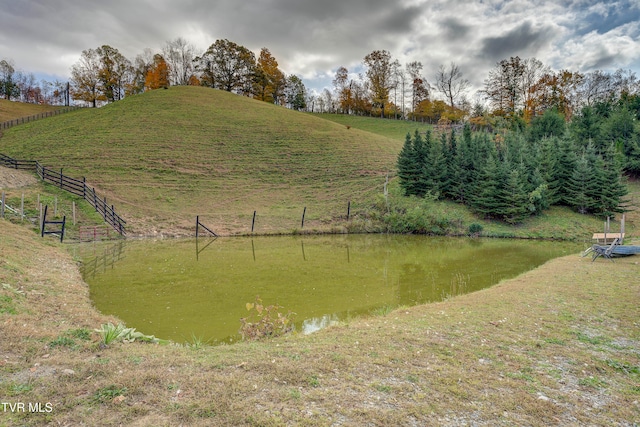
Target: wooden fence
x=27 y=119
x=73 y=186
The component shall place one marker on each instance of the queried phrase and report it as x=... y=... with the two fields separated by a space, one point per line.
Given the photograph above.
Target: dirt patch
x=14 y=178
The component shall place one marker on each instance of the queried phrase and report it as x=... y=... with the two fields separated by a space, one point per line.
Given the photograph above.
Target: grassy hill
x=165 y=156
x=10 y=110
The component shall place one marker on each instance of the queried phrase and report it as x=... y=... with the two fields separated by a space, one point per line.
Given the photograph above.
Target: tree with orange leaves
x=158 y=75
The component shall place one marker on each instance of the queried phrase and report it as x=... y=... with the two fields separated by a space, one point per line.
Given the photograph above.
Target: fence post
x=64 y=221
x=348 y=210
x=303 y=213
x=84 y=188
x=44 y=220
x=60 y=177
x=197 y=224
x=253 y=222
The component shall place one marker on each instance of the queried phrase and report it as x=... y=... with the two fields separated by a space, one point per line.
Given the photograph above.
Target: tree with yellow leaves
x=158 y=75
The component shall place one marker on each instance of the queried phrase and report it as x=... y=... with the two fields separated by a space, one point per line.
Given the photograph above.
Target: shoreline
x=551 y=346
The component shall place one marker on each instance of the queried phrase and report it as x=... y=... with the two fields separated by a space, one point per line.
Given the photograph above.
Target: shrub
x=475 y=229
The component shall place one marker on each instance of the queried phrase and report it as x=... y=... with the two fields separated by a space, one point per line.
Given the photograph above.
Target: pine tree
x=452 y=176
x=438 y=173
x=514 y=198
x=457 y=173
x=423 y=167
x=485 y=200
x=613 y=189
x=562 y=172
x=581 y=187
x=407 y=167
x=548 y=159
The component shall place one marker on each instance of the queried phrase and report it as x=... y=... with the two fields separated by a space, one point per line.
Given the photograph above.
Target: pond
x=181 y=289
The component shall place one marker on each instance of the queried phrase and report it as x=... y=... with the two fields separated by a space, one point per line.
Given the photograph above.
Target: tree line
x=104 y=75
x=24 y=87
x=514 y=92
x=518 y=174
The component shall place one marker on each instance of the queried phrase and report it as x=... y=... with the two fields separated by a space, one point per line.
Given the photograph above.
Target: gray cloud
x=524 y=40
x=313 y=38
x=454 y=29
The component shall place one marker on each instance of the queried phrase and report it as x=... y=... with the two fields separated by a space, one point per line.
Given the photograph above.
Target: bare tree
x=179 y=55
x=451 y=83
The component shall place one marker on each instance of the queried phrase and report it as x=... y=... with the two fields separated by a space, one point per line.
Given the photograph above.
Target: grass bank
x=559 y=345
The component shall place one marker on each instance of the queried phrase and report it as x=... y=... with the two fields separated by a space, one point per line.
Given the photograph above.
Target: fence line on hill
x=74 y=186
x=26 y=119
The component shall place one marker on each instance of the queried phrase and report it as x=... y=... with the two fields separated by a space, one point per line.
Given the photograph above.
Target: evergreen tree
x=551 y=123
x=485 y=200
x=581 y=187
x=438 y=166
x=613 y=188
x=458 y=175
x=407 y=167
x=451 y=182
x=514 y=198
x=586 y=127
x=562 y=171
x=421 y=153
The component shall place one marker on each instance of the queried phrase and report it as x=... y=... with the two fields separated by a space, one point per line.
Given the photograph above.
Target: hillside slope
x=11 y=110
x=165 y=156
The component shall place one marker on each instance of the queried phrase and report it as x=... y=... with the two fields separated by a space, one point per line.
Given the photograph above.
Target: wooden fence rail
x=74 y=186
x=10 y=123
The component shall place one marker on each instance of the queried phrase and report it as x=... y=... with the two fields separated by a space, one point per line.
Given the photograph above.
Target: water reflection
x=161 y=288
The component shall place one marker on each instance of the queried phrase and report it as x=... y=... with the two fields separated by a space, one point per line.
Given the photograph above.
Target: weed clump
x=265 y=321
x=119 y=332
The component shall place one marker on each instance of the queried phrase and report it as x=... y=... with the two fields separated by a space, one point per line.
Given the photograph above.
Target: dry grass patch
x=556 y=346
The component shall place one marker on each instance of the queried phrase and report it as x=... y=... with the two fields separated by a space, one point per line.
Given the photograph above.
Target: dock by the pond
x=609 y=244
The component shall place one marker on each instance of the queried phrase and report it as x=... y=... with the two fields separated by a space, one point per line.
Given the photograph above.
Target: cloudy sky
x=312 y=38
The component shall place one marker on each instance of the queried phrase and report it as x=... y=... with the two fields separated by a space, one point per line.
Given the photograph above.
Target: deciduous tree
x=158 y=75
x=8 y=87
x=85 y=78
x=296 y=93
x=268 y=81
x=227 y=66
x=115 y=73
x=379 y=73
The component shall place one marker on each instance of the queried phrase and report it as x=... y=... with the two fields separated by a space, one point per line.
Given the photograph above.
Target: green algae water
x=180 y=289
